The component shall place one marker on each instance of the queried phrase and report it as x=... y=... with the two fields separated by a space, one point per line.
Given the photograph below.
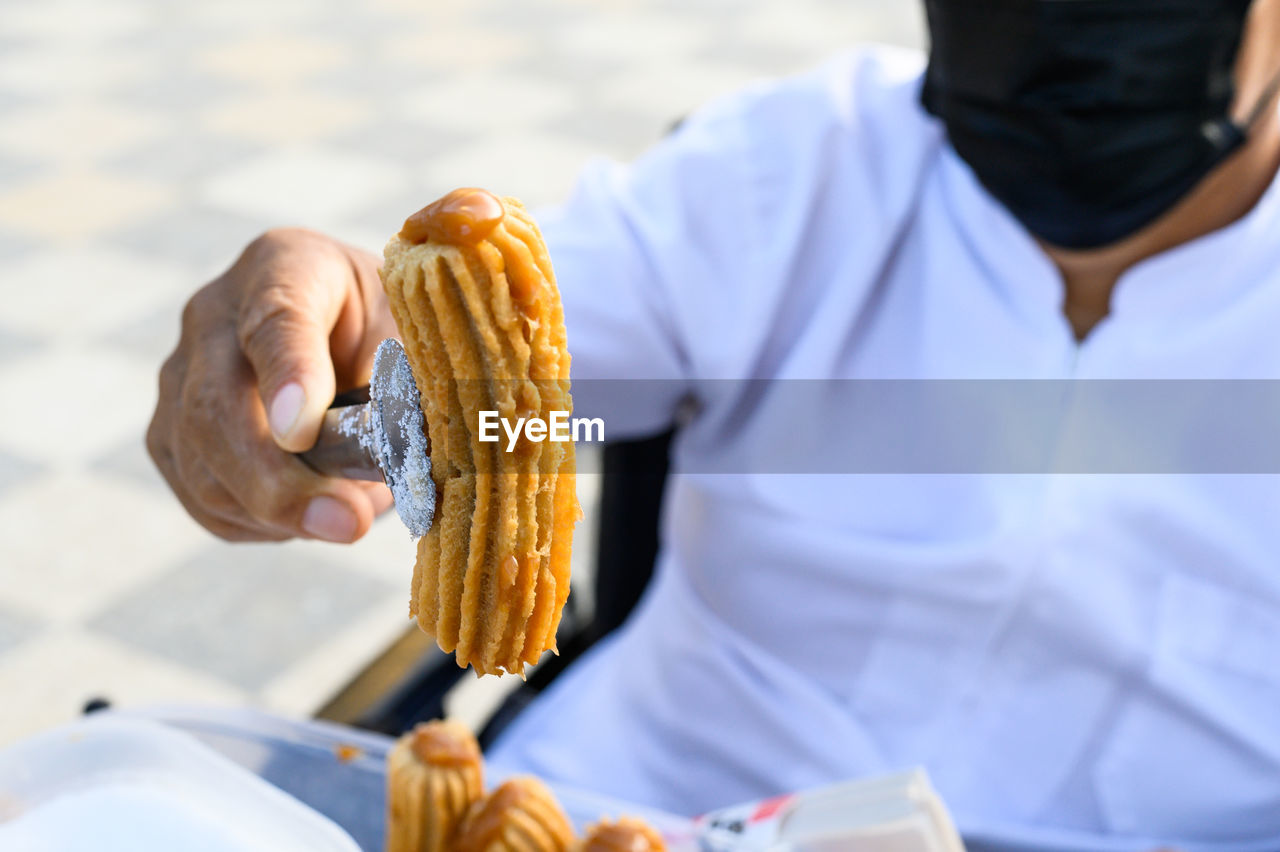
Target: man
x=1072 y=190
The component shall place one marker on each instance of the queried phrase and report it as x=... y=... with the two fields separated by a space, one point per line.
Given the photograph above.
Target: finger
x=379 y=496
x=277 y=490
x=200 y=493
x=158 y=430
x=363 y=325
x=287 y=312
x=215 y=509
x=207 y=500
x=175 y=467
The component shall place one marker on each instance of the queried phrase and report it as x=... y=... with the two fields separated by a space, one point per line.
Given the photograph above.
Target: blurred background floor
x=142 y=143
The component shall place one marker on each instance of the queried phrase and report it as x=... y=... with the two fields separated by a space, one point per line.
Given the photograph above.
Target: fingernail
x=286 y=408
x=329 y=519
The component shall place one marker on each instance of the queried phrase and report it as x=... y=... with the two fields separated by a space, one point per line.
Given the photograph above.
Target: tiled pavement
x=142 y=142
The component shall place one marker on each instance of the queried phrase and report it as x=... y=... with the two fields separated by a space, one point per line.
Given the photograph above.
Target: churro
x=475 y=299
x=521 y=815
x=434 y=774
x=625 y=834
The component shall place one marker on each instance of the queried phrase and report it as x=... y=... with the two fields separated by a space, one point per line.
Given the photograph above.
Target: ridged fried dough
x=521 y=815
x=474 y=297
x=434 y=774
x=626 y=834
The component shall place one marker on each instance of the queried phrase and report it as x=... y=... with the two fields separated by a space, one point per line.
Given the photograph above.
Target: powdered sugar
x=398 y=438
x=353 y=422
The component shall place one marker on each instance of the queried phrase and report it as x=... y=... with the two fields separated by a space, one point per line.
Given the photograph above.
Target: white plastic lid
x=108 y=784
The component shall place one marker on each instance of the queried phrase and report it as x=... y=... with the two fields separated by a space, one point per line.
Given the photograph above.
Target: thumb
x=284 y=333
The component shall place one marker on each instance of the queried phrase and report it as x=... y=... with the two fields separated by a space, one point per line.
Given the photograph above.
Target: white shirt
x=1080 y=661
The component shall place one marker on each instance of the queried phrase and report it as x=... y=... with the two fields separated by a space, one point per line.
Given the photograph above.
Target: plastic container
x=889 y=813
x=340 y=771
x=117 y=784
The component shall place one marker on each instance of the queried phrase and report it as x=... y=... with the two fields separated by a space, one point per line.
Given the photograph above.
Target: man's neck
x=1225 y=195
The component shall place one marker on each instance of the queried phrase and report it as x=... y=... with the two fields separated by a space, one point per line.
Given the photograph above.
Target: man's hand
x=263 y=349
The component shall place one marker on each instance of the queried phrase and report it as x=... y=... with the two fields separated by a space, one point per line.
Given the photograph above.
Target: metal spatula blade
x=384 y=438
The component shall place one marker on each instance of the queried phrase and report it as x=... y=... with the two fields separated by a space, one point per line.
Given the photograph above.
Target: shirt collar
x=1188 y=279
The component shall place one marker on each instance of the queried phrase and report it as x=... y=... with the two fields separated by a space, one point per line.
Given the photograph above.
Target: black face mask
x=1087 y=119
